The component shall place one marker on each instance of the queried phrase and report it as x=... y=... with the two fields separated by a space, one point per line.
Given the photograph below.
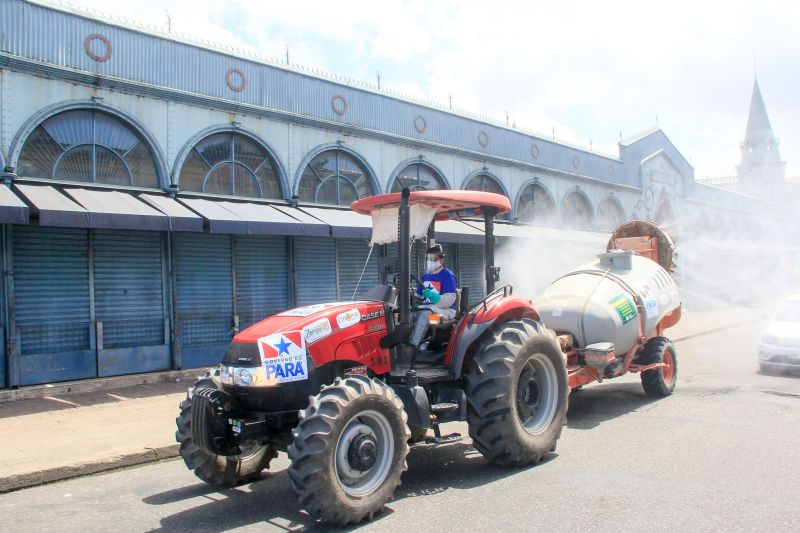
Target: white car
x=780 y=342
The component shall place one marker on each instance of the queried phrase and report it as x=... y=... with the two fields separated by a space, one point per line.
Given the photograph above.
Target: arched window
x=535 y=205
x=334 y=177
x=610 y=214
x=230 y=163
x=88 y=146
x=418 y=177
x=486 y=183
x=576 y=211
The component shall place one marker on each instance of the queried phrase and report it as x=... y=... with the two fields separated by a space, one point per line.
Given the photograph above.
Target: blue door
x=204 y=318
x=129 y=302
x=351 y=261
x=262 y=286
x=315 y=270
x=56 y=338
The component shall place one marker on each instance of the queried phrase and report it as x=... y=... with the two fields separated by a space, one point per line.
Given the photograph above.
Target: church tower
x=761 y=172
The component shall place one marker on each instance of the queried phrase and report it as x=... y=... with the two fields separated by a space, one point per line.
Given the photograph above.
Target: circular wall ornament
x=236 y=80
x=419 y=124
x=105 y=44
x=483 y=139
x=535 y=151
x=339 y=104
x=611 y=171
x=576 y=161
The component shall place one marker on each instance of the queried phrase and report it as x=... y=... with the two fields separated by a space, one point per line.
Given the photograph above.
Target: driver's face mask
x=431 y=266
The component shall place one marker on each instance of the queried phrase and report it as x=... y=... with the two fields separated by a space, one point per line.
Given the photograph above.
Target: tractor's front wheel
x=349 y=450
x=219 y=470
x=517 y=394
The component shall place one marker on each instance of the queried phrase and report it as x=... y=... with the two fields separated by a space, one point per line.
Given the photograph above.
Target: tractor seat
x=382 y=293
x=462 y=304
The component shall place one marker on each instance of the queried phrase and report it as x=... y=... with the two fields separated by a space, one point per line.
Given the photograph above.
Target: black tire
x=323 y=475
x=659 y=382
x=219 y=470
x=517 y=394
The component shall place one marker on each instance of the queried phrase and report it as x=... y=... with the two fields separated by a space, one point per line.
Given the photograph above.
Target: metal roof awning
x=181 y=218
x=458 y=232
x=79 y=207
x=12 y=209
x=224 y=216
x=343 y=222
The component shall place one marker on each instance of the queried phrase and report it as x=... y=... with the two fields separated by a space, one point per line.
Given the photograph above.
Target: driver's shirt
x=443 y=282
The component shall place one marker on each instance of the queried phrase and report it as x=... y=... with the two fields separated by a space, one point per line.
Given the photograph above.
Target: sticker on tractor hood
x=348 y=318
x=372 y=316
x=303 y=311
x=283 y=356
x=317 y=330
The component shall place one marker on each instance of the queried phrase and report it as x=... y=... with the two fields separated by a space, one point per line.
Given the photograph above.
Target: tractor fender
x=478 y=323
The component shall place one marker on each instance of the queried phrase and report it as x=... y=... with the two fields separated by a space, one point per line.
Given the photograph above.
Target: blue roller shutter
x=262 y=287
x=471 y=270
x=351 y=256
x=52 y=315
x=315 y=270
x=204 y=297
x=129 y=302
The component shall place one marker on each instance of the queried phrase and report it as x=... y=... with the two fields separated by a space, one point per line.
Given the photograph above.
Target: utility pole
x=286 y=49
x=378 y=76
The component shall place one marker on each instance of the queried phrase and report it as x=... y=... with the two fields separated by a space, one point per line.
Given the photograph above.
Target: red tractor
x=340 y=388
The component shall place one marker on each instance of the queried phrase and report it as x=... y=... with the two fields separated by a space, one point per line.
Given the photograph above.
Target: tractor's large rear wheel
x=219 y=470
x=349 y=450
x=517 y=394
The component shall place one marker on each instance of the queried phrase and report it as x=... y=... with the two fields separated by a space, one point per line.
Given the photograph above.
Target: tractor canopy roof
x=447 y=204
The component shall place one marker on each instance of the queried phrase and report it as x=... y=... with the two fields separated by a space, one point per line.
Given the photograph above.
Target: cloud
x=588 y=69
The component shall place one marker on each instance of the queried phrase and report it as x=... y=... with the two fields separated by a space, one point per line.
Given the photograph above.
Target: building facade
x=160 y=195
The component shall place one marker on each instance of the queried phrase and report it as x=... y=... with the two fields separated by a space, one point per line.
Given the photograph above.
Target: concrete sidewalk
x=60 y=436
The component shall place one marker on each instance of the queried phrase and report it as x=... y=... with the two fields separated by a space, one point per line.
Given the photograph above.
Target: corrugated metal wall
x=315 y=270
x=204 y=297
x=351 y=257
x=262 y=287
x=52 y=313
x=471 y=270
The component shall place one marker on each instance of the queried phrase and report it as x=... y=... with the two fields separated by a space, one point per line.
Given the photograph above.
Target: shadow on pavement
x=431 y=470
x=85 y=399
x=591 y=406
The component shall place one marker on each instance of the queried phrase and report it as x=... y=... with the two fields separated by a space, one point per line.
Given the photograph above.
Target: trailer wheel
x=219 y=470
x=659 y=382
x=517 y=394
x=349 y=450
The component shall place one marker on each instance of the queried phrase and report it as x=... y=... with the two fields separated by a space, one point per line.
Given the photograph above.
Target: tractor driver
x=438 y=288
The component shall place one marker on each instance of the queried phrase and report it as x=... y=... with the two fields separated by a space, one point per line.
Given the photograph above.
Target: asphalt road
x=720 y=454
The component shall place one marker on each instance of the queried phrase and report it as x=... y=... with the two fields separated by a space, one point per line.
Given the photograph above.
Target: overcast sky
x=590 y=71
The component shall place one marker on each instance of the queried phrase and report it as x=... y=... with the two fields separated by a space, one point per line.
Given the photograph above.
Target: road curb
x=32 y=479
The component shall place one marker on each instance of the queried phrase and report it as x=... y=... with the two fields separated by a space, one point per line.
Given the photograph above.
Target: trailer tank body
x=608 y=299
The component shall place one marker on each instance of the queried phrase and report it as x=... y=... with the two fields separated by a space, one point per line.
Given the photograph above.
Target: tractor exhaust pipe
x=404 y=241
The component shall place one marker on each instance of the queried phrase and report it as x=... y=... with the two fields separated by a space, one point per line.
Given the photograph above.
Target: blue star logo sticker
x=282 y=347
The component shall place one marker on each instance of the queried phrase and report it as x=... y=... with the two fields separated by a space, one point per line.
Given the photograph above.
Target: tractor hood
x=314 y=321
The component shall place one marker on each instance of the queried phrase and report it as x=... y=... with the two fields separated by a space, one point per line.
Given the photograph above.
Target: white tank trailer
x=610 y=314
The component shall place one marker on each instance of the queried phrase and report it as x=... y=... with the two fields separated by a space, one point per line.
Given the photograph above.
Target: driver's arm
x=447 y=300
